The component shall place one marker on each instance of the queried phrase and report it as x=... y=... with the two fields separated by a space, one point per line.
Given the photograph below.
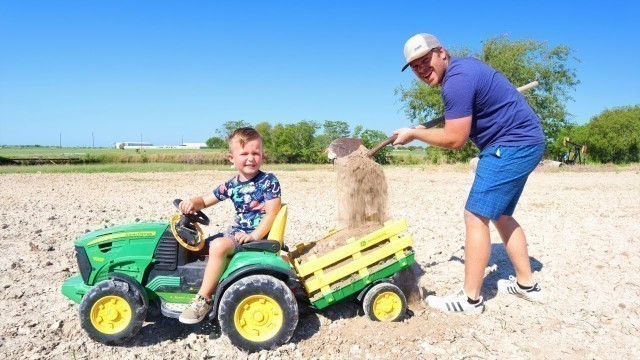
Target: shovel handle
x=382 y=144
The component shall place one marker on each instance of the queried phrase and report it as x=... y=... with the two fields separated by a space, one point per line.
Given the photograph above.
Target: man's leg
x=476 y=253
x=515 y=243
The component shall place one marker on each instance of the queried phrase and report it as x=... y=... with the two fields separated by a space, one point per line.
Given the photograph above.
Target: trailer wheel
x=385 y=302
x=258 y=312
x=112 y=312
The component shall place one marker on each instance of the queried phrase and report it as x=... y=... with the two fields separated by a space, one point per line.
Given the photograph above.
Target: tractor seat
x=275 y=240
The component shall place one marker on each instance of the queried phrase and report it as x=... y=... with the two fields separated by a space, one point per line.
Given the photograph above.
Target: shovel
x=342 y=147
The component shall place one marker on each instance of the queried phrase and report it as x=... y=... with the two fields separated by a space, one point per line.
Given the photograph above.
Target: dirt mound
x=362 y=202
x=362 y=190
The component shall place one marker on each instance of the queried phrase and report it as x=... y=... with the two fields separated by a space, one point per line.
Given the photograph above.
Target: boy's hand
x=187 y=207
x=242 y=238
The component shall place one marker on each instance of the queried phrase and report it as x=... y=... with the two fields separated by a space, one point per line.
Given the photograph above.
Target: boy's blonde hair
x=243 y=135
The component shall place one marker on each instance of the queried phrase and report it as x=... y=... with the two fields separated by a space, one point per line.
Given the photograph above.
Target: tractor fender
x=132 y=282
x=278 y=273
x=364 y=291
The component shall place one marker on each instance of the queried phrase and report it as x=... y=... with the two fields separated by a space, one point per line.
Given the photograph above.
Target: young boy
x=256 y=198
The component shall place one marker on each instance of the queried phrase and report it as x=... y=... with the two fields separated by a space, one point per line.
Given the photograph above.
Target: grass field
x=15 y=152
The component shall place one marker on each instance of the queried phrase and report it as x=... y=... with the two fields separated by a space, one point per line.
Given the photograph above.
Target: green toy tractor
x=125 y=268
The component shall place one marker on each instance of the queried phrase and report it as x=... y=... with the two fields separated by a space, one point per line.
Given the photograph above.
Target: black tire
x=385 y=302
x=120 y=303
x=267 y=303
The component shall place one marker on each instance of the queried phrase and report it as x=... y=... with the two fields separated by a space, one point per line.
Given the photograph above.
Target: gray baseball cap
x=418 y=46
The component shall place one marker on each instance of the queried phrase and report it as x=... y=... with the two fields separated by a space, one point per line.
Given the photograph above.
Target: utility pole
x=60 y=140
x=93 y=141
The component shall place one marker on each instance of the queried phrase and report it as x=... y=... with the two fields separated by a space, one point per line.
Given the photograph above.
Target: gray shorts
x=230 y=233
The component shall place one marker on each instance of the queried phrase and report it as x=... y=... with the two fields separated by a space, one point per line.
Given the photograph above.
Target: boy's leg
x=219 y=251
x=515 y=242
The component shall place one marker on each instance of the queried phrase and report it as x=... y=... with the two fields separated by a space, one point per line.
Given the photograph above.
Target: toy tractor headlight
x=83 y=263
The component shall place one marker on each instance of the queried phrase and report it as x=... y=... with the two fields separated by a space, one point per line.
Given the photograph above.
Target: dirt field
x=584 y=239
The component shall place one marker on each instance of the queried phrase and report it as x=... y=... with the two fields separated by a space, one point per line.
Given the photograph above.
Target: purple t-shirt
x=500 y=114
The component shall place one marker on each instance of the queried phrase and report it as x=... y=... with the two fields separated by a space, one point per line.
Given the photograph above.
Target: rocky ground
x=583 y=228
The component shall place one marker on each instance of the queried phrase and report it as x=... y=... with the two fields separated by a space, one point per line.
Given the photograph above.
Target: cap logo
x=418 y=47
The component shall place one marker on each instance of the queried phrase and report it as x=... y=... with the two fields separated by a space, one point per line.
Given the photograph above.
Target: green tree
x=296 y=143
x=521 y=61
x=336 y=129
x=216 y=143
x=229 y=126
x=612 y=136
x=371 y=138
x=357 y=130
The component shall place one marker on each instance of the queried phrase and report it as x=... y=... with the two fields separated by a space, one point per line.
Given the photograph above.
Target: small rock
x=56 y=325
x=51 y=218
x=38 y=231
x=48 y=263
x=4 y=226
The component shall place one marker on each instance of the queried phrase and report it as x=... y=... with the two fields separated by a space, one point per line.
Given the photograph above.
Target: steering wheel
x=199 y=217
x=186 y=230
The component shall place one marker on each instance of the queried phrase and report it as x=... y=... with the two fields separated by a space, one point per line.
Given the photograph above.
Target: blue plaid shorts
x=500 y=177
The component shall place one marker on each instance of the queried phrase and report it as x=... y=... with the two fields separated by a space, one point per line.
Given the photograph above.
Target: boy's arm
x=198 y=203
x=271 y=209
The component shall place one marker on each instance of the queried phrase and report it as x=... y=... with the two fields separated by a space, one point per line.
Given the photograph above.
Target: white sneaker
x=456 y=303
x=511 y=287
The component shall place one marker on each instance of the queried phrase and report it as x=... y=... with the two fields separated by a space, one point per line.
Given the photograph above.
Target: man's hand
x=405 y=135
x=243 y=238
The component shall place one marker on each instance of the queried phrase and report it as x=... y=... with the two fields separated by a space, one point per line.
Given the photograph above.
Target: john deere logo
x=363 y=243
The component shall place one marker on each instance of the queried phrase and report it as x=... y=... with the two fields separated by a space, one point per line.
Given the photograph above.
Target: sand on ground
x=582 y=226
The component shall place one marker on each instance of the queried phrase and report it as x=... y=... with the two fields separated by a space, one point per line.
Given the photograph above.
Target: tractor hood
x=117 y=232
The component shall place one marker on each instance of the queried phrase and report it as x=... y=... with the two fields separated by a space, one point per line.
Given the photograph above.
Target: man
x=481 y=105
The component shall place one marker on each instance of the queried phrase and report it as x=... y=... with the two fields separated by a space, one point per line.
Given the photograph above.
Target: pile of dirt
x=362 y=190
x=362 y=202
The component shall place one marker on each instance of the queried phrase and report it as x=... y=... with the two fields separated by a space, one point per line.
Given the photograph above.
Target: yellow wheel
x=385 y=302
x=110 y=314
x=258 y=312
x=113 y=311
x=258 y=318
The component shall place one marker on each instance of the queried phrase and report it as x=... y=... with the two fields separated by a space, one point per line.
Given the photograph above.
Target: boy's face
x=248 y=158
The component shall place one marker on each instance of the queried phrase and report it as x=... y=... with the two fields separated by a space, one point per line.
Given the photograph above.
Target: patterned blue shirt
x=249 y=198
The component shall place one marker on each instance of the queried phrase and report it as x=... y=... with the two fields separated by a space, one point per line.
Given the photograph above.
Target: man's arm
x=453 y=135
x=271 y=209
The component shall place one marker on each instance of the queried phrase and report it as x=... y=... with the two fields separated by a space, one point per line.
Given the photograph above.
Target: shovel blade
x=342 y=147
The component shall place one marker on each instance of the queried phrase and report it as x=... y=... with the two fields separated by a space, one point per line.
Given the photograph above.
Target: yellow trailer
x=361 y=268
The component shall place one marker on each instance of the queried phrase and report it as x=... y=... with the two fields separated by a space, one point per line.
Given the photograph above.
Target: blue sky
x=173 y=71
